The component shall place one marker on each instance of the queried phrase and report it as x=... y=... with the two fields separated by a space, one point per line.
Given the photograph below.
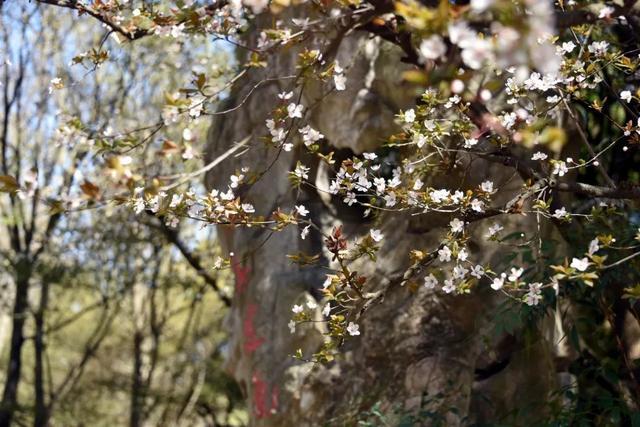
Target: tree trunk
x=20 y=308
x=41 y=417
x=137 y=386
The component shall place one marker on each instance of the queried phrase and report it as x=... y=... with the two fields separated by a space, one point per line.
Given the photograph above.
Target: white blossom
x=56 y=83
x=154 y=204
x=177 y=31
x=454 y=100
x=461 y=34
x=598 y=48
x=567 y=47
x=430 y=281
x=327 y=282
x=477 y=54
x=457 y=197
x=580 y=264
x=515 y=274
x=394 y=182
x=456 y=225
x=380 y=184
x=310 y=135
x=235 y=180
x=256 y=6
x=353 y=329
x=457 y=86
x=175 y=200
x=477 y=271
x=477 y=205
x=301 y=171
x=409 y=116
x=498 y=282
x=138 y=206
x=350 y=199
x=326 y=310
x=430 y=125
x=539 y=155
x=606 y=12
x=459 y=272
x=508 y=120
x=487 y=186
x=432 y=47
x=534 y=295
x=543 y=83
x=376 y=235
x=444 y=254
x=480 y=5
x=390 y=199
x=188 y=152
x=559 y=168
x=295 y=110
x=468 y=143
x=302 y=210
x=560 y=213
x=448 y=287
x=419 y=139
x=305 y=232
x=438 y=196
x=196 y=106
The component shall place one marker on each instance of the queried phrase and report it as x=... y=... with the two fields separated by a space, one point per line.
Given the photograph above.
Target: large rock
x=418 y=348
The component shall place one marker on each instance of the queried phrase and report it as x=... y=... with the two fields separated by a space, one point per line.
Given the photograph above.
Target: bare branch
x=194 y=260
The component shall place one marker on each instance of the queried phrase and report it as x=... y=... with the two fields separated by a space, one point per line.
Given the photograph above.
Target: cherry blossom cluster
x=494 y=82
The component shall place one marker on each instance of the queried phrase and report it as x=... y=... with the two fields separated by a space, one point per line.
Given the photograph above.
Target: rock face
x=419 y=349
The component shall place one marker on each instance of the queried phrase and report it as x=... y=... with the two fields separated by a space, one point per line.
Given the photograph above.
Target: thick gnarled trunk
x=419 y=349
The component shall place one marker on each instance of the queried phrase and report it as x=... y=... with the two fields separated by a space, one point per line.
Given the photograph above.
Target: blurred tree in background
x=106 y=318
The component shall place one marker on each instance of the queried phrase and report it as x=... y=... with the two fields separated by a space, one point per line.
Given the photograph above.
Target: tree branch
x=131 y=35
x=74 y=5
x=597 y=191
x=194 y=260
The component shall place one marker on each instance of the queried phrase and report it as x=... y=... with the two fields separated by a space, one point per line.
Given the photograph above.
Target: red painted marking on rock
x=259 y=396
x=261 y=407
x=242 y=276
x=251 y=339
